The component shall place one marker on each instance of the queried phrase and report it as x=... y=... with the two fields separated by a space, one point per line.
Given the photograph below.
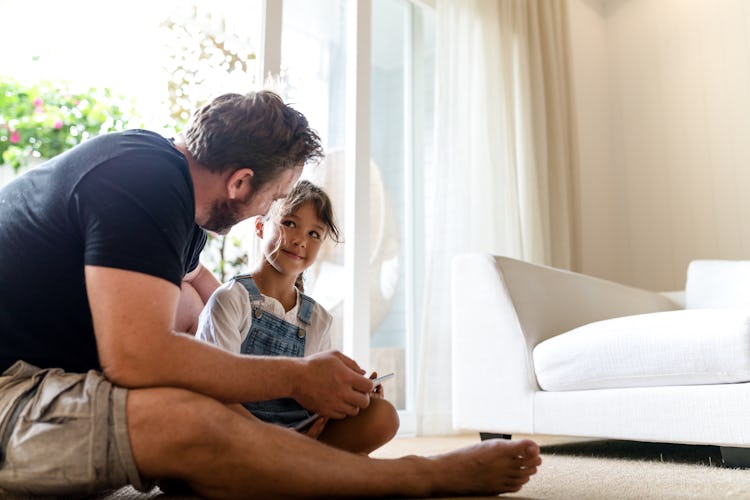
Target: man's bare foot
x=490 y=467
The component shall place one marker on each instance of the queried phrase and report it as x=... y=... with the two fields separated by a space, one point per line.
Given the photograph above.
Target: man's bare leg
x=223 y=454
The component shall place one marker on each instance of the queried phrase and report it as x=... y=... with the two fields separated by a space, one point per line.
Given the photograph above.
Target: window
x=314 y=60
x=172 y=55
x=401 y=145
x=135 y=48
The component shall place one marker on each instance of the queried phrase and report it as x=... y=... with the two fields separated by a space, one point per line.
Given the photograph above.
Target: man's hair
x=256 y=130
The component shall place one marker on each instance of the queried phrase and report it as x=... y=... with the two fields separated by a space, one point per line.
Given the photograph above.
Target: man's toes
x=516 y=484
x=524 y=474
x=533 y=461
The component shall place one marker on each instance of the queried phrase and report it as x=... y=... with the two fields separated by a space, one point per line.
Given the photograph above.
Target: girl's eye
x=288 y=223
x=315 y=234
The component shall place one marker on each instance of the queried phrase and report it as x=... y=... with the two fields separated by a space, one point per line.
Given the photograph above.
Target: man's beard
x=223 y=216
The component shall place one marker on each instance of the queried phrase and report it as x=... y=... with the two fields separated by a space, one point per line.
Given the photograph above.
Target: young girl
x=267 y=313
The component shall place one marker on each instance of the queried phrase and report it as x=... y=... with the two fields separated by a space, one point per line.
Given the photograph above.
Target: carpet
x=579 y=469
x=584 y=469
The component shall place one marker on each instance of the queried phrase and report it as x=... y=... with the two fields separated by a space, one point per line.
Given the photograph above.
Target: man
x=100 y=391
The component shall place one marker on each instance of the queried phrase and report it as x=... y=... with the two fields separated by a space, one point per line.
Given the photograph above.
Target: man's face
x=226 y=213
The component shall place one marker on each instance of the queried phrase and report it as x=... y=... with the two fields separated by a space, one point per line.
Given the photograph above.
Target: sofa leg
x=484 y=436
x=737 y=458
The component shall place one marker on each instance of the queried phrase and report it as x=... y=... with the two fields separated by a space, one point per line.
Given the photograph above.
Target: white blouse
x=227 y=317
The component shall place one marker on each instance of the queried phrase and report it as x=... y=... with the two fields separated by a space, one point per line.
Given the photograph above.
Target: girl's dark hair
x=256 y=130
x=302 y=192
x=305 y=191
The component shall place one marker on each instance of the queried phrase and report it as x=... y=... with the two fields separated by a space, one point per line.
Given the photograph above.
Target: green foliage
x=44 y=119
x=225 y=256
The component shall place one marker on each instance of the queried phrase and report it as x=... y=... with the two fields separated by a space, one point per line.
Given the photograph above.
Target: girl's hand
x=316 y=428
x=378 y=392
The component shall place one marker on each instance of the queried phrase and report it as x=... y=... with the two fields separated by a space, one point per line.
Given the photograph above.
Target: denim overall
x=270 y=335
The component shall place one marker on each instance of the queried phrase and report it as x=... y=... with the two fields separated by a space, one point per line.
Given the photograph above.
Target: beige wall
x=662 y=91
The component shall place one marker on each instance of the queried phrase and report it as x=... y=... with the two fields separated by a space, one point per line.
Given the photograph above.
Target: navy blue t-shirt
x=123 y=200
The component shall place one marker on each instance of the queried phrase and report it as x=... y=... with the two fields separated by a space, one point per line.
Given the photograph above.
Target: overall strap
x=246 y=280
x=306 y=305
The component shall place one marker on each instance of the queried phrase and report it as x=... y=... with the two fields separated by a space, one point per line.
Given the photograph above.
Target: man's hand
x=333 y=385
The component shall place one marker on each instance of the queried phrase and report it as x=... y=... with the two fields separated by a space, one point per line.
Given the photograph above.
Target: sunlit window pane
x=313 y=78
x=401 y=142
x=130 y=48
x=165 y=58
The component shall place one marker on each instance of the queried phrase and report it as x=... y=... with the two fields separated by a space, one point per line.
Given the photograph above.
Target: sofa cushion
x=717 y=283
x=685 y=347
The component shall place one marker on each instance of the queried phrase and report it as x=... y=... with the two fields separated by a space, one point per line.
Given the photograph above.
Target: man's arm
x=197 y=287
x=133 y=315
x=203 y=281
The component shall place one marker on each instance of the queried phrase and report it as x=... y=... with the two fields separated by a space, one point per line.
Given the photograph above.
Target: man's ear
x=259 y=226
x=238 y=184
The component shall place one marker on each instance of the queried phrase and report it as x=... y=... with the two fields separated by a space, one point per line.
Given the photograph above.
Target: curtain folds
x=505 y=160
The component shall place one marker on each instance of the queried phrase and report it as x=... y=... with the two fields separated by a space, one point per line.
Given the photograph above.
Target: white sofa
x=539 y=350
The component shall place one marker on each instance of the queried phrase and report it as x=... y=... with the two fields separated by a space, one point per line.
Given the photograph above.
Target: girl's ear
x=259 y=226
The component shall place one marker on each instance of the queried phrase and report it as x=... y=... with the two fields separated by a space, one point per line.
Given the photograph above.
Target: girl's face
x=292 y=244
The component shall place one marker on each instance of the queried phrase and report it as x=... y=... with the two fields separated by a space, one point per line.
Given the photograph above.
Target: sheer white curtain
x=504 y=160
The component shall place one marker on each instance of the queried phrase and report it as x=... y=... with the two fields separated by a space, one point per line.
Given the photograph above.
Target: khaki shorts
x=63 y=433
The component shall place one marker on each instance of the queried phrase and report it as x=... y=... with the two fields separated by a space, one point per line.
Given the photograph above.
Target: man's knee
x=165 y=423
x=171 y=414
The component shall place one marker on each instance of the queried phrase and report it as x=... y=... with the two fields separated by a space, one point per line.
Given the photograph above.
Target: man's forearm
x=184 y=361
x=203 y=281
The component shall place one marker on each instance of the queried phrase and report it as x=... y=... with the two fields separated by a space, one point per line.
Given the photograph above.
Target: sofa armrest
x=502 y=308
x=551 y=301
x=676 y=296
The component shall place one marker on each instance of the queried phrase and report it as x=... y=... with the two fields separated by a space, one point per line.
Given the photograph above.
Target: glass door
x=316 y=47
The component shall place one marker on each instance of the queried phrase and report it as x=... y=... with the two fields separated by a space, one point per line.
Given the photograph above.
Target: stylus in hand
x=312 y=418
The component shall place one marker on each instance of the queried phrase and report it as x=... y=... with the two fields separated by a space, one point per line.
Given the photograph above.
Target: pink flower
x=15 y=137
x=58 y=124
x=38 y=102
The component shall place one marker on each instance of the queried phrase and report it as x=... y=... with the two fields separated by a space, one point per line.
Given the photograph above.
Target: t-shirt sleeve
x=138 y=216
x=199 y=240
x=225 y=319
